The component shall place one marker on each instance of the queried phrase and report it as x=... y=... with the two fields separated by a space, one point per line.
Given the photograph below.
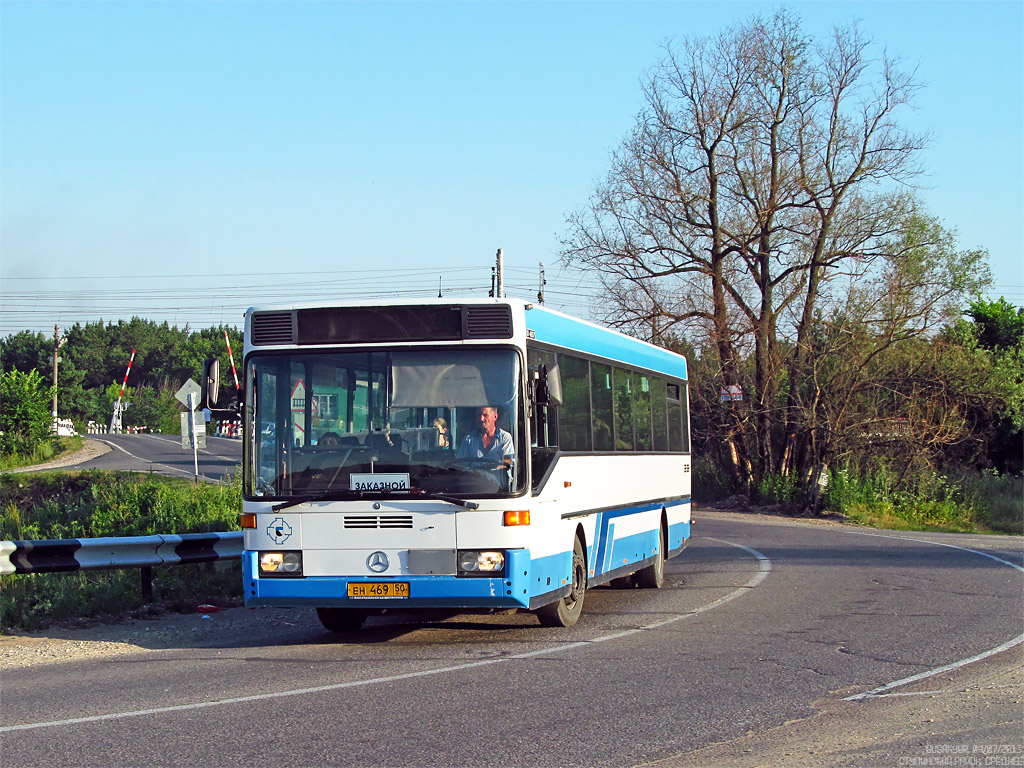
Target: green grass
x=929 y=501
x=62 y=505
x=882 y=497
x=43 y=453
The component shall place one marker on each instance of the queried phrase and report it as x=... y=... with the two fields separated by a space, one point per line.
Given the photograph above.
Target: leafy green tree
x=25 y=403
x=26 y=351
x=995 y=339
x=1000 y=325
x=97 y=354
x=153 y=409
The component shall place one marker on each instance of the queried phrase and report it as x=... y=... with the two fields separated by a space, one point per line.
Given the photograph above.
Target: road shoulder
x=90 y=450
x=961 y=717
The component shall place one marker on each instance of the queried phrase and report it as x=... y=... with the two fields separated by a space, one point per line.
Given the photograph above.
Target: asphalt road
x=164 y=455
x=762 y=622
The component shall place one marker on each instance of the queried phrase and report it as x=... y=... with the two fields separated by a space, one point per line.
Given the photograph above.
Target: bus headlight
x=280 y=563
x=473 y=562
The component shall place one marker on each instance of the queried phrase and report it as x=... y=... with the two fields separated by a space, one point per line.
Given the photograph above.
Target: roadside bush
x=777 y=489
x=93 y=504
x=43 y=452
x=710 y=480
x=924 y=499
x=34 y=601
x=999 y=500
x=63 y=505
x=25 y=420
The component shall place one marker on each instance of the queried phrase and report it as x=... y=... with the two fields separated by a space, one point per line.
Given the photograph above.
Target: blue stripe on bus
x=525 y=577
x=609 y=545
x=678 y=534
x=550 y=573
x=572 y=333
x=510 y=591
x=601 y=554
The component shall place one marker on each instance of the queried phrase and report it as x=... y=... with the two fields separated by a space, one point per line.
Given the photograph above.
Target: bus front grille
x=377 y=521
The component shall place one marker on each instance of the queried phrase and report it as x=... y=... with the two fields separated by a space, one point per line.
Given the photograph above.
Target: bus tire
x=653 y=576
x=566 y=611
x=341 y=619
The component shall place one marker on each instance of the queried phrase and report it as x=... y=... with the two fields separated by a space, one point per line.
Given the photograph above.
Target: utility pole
x=58 y=342
x=543 y=282
x=500 y=271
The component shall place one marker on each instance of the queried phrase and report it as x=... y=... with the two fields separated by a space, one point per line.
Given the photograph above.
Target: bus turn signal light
x=520 y=517
x=247 y=520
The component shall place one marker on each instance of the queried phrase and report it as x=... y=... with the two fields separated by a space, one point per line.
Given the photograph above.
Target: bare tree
x=764 y=184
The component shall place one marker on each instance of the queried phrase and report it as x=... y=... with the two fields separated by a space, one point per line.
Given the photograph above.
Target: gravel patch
x=208 y=627
x=90 y=450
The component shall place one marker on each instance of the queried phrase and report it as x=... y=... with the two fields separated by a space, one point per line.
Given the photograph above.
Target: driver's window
x=544 y=419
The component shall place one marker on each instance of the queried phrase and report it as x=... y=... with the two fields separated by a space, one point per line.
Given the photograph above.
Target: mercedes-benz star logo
x=378 y=562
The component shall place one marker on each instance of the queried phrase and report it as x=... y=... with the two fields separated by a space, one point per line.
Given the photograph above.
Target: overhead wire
x=191 y=300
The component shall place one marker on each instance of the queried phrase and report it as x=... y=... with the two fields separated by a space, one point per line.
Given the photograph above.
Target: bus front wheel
x=566 y=611
x=341 y=619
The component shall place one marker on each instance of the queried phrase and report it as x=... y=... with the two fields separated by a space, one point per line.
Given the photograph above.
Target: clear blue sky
x=184 y=160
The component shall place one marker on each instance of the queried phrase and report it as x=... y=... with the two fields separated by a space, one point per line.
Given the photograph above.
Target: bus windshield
x=403 y=421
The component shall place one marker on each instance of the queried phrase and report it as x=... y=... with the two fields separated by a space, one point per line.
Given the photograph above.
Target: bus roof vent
x=487 y=322
x=273 y=328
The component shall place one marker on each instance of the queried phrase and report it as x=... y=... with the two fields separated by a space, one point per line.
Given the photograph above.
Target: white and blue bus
x=475 y=454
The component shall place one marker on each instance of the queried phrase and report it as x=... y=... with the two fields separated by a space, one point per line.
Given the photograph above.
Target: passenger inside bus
x=444 y=437
x=329 y=439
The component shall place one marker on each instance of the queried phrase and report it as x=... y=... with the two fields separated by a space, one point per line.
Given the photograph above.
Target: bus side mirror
x=554 y=387
x=547 y=386
x=211 y=382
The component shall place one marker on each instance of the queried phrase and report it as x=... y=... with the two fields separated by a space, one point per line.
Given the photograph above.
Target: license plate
x=370 y=589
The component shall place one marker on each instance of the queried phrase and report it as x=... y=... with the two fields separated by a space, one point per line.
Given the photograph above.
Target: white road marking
x=764 y=566
x=205 y=451
x=157 y=463
x=882 y=690
x=146 y=461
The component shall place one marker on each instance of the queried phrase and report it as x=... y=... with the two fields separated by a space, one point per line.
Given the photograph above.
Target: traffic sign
x=732 y=392
x=189 y=388
x=189 y=440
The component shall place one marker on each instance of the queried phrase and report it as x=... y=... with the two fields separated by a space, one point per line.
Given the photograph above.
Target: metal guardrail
x=145 y=552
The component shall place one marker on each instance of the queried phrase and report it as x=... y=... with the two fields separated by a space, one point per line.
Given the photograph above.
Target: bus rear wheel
x=653 y=576
x=566 y=611
x=341 y=619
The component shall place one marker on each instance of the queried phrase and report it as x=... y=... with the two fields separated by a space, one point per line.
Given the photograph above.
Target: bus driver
x=490 y=442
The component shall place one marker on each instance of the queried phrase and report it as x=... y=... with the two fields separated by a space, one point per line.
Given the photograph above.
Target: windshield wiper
x=349 y=494
x=303 y=499
x=445 y=497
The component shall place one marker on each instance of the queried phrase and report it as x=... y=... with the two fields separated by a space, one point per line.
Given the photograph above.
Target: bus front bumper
x=434 y=591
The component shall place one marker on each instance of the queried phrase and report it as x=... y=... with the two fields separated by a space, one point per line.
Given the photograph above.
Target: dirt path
x=90 y=450
x=207 y=627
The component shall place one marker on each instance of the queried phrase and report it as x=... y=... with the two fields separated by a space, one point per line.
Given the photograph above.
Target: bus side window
x=658 y=414
x=544 y=421
x=642 y=410
x=603 y=410
x=675 y=419
x=685 y=400
x=623 y=384
x=575 y=422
